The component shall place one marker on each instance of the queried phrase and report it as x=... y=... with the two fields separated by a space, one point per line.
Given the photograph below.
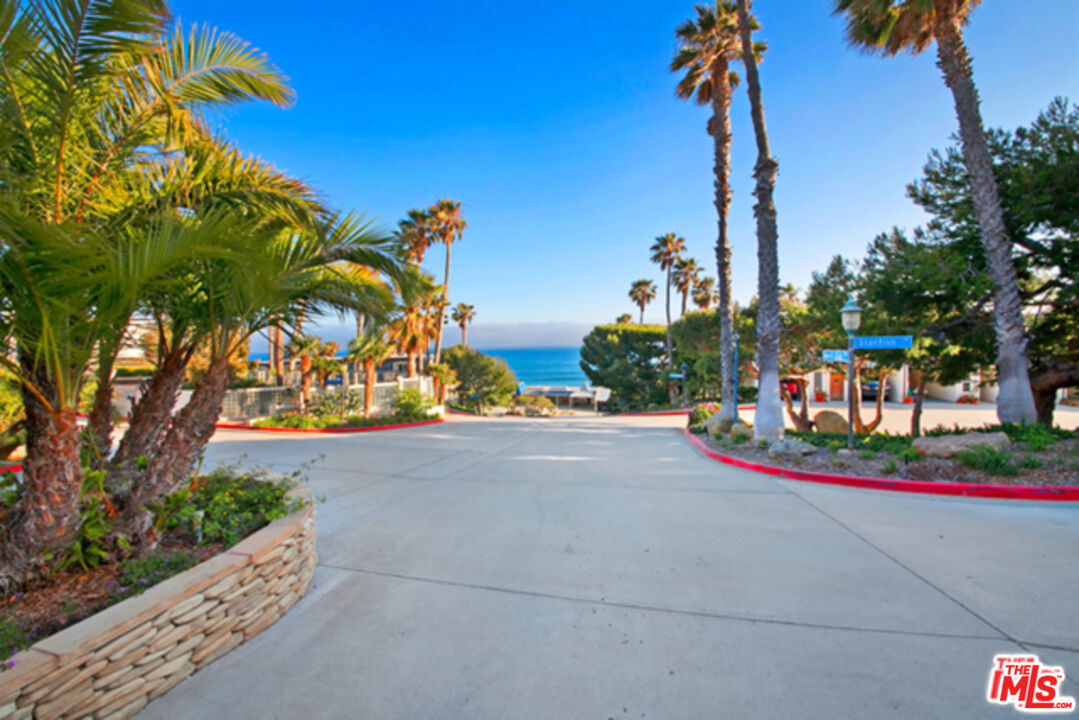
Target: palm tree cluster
x=721 y=34
x=117 y=200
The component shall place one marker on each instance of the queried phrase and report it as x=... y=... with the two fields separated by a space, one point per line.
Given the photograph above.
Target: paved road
x=600 y=568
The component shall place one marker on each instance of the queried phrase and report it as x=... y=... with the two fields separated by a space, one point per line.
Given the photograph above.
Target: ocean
x=532 y=366
x=543 y=366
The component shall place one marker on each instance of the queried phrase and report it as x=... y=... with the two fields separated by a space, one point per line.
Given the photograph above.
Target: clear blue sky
x=557 y=126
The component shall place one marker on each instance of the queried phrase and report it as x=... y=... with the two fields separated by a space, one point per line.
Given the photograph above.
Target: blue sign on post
x=675 y=376
x=883 y=342
x=522 y=388
x=833 y=356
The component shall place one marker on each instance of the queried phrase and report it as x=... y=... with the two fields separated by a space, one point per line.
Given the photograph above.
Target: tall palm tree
x=414 y=233
x=912 y=25
x=704 y=294
x=708 y=45
x=768 y=422
x=686 y=274
x=463 y=314
x=370 y=349
x=642 y=292
x=449 y=225
x=93 y=92
x=666 y=252
x=412 y=325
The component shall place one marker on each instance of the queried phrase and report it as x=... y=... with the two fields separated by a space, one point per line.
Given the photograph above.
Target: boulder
x=829 y=421
x=741 y=428
x=718 y=424
x=947 y=446
x=789 y=447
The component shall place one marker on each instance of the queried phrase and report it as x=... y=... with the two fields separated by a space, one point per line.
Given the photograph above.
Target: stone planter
x=113 y=663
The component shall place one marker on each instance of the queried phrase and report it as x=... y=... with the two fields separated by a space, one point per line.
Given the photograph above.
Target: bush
x=626 y=359
x=740 y=438
x=889 y=467
x=412 y=405
x=867 y=455
x=226 y=505
x=13 y=638
x=135 y=371
x=1029 y=462
x=987 y=459
x=337 y=403
x=701 y=413
x=488 y=378
x=535 y=401
x=138 y=575
x=836 y=445
x=747 y=394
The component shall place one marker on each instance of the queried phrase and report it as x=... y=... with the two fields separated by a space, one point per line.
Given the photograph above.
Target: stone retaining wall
x=112 y=664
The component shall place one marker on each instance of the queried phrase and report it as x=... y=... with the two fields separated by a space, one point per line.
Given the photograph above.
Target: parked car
x=871 y=388
x=791 y=387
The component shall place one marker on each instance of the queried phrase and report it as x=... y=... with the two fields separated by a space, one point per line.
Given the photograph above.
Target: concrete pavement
x=600 y=568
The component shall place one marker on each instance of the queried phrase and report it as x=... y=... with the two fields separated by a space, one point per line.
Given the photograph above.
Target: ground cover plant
x=409 y=406
x=1037 y=455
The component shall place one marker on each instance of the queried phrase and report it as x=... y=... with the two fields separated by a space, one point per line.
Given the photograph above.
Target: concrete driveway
x=601 y=568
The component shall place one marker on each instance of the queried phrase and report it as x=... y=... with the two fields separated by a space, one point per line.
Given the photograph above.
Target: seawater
x=543 y=366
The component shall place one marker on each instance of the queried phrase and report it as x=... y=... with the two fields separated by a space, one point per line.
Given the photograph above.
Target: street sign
x=522 y=388
x=833 y=356
x=883 y=342
x=676 y=376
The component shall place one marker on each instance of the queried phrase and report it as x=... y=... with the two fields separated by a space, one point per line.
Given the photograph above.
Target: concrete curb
x=327 y=431
x=1052 y=493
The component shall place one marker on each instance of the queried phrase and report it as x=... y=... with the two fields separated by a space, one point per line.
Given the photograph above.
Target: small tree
x=488 y=379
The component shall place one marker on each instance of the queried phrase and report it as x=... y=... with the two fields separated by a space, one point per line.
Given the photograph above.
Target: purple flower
x=143 y=580
x=11 y=664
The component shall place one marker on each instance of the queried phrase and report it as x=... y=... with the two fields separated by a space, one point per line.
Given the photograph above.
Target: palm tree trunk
x=411 y=363
x=685 y=299
x=46 y=517
x=368 y=385
x=360 y=319
x=768 y=420
x=99 y=423
x=175 y=457
x=149 y=420
x=916 y=411
x=1016 y=401
x=720 y=129
x=642 y=316
x=442 y=306
x=464 y=334
x=670 y=352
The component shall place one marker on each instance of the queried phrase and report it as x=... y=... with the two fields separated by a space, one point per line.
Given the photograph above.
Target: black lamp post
x=852 y=320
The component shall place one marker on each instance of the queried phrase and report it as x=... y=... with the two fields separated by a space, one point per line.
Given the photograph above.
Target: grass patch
x=867 y=455
x=988 y=460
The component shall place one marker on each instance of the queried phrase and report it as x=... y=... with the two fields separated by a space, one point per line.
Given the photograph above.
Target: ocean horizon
x=532 y=366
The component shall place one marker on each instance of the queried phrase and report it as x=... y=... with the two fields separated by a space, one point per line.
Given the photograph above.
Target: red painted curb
x=326 y=431
x=11 y=468
x=668 y=413
x=1057 y=493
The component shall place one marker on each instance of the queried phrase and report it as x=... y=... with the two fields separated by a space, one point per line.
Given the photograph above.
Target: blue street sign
x=675 y=376
x=522 y=388
x=833 y=356
x=883 y=342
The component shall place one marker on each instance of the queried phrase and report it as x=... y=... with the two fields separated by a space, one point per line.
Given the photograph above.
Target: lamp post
x=851 y=315
x=736 y=376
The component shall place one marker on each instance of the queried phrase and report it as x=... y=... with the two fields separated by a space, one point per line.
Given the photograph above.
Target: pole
x=685 y=387
x=850 y=392
x=736 y=377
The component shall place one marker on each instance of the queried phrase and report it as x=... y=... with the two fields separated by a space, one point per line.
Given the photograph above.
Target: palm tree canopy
x=704 y=292
x=463 y=313
x=686 y=274
x=707 y=44
x=667 y=249
x=414 y=234
x=642 y=292
x=371 y=346
x=894 y=26
x=448 y=222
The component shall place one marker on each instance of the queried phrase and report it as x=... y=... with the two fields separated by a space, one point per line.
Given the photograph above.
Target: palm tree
x=704 y=294
x=642 y=292
x=768 y=421
x=370 y=349
x=666 y=252
x=414 y=233
x=449 y=225
x=708 y=45
x=463 y=314
x=623 y=319
x=686 y=274
x=912 y=25
x=93 y=92
x=412 y=326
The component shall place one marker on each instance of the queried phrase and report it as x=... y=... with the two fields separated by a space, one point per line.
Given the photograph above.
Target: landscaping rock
x=741 y=428
x=829 y=421
x=947 y=446
x=789 y=447
x=718 y=424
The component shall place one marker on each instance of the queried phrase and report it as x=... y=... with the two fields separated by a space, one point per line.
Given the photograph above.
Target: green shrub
x=137 y=575
x=1029 y=462
x=227 y=505
x=536 y=401
x=13 y=638
x=840 y=463
x=412 y=404
x=739 y=438
x=890 y=467
x=336 y=403
x=135 y=371
x=909 y=454
x=1036 y=437
x=867 y=455
x=988 y=460
x=747 y=394
x=836 y=445
x=702 y=413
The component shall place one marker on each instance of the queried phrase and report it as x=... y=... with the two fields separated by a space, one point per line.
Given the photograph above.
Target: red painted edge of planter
x=1058 y=493
x=11 y=468
x=326 y=431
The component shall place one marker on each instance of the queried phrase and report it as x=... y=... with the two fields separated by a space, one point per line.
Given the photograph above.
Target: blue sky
x=556 y=124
